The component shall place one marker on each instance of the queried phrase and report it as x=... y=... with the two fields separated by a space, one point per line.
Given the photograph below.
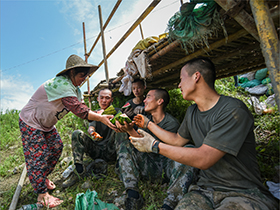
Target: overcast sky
x=37 y=37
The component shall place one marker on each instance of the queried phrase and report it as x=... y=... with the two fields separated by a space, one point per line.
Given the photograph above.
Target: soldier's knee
x=76 y=134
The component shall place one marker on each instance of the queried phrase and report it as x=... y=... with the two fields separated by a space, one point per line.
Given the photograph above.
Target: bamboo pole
x=141 y=31
x=103 y=44
x=18 y=190
x=105 y=25
x=215 y=45
x=129 y=31
x=165 y=50
x=86 y=60
x=269 y=42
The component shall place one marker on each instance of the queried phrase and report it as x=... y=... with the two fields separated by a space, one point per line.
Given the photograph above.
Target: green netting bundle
x=89 y=201
x=193 y=26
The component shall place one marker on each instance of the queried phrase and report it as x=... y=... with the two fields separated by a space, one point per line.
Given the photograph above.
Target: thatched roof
x=235 y=54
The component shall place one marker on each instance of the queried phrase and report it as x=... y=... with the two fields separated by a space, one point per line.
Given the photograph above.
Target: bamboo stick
x=105 y=25
x=214 y=45
x=86 y=60
x=103 y=44
x=18 y=190
x=129 y=31
x=141 y=31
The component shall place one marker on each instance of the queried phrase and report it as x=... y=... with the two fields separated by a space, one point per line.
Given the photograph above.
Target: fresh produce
x=110 y=110
x=126 y=105
x=113 y=120
x=121 y=117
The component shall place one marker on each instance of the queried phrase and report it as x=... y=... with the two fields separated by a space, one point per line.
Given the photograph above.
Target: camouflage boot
x=73 y=178
x=133 y=203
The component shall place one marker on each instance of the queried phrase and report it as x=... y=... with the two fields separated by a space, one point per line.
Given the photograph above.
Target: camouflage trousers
x=133 y=165
x=207 y=199
x=83 y=144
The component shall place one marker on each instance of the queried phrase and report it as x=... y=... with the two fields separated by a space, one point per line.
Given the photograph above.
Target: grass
x=108 y=188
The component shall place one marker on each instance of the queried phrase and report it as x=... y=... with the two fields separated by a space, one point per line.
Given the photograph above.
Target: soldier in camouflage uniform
x=96 y=149
x=222 y=129
x=133 y=165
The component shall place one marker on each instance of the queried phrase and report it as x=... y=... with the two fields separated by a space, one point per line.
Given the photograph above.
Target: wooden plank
x=243 y=18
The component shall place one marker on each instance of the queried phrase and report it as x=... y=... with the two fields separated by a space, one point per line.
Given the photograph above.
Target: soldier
x=133 y=165
x=136 y=104
x=93 y=146
x=222 y=129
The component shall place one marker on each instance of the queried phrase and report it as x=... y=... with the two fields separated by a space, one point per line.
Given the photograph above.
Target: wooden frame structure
x=252 y=44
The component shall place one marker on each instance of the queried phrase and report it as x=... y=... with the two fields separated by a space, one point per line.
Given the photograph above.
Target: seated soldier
x=93 y=146
x=133 y=165
x=136 y=104
x=222 y=129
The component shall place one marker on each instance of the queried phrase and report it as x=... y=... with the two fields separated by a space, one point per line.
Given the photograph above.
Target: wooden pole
x=215 y=45
x=135 y=24
x=105 y=25
x=18 y=190
x=129 y=31
x=103 y=44
x=269 y=43
x=141 y=31
x=86 y=59
x=242 y=17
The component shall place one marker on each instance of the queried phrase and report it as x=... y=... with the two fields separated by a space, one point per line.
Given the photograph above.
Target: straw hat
x=75 y=61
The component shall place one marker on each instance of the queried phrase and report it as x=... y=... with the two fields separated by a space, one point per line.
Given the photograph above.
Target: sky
x=37 y=37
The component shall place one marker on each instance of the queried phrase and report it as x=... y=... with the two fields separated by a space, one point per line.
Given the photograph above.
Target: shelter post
x=269 y=42
x=86 y=60
x=103 y=45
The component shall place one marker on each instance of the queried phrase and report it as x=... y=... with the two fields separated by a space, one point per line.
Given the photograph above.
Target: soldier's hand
x=96 y=136
x=141 y=121
x=143 y=144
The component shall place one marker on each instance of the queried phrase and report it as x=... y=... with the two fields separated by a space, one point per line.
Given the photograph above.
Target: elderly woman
x=42 y=145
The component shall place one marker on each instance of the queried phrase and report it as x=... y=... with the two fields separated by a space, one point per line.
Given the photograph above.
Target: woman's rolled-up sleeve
x=74 y=105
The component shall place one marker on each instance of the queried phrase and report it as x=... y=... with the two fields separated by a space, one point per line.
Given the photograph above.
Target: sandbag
x=257 y=90
x=251 y=83
x=261 y=74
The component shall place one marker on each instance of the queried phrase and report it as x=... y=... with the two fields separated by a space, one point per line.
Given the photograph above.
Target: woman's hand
x=105 y=119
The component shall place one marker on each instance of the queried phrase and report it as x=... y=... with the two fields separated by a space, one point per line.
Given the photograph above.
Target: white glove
x=138 y=109
x=143 y=144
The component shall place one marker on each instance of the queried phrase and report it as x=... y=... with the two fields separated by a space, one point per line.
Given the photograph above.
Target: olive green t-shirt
x=228 y=127
x=168 y=123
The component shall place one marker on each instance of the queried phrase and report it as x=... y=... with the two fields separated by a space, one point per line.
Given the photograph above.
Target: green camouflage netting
x=193 y=26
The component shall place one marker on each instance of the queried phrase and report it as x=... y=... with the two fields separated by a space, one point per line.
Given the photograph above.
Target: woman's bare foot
x=48 y=200
x=50 y=184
